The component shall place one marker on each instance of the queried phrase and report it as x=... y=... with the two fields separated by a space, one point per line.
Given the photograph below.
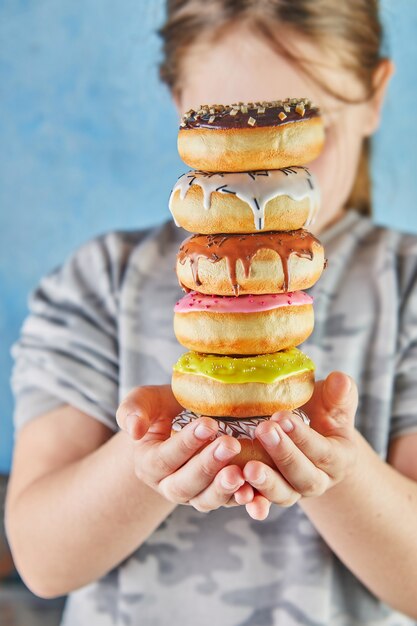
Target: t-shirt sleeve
x=68 y=350
x=404 y=409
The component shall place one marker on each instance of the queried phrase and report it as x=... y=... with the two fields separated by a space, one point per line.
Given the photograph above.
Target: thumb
x=333 y=404
x=145 y=406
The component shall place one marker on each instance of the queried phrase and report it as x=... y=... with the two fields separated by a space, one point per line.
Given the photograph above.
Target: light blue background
x=83 y=149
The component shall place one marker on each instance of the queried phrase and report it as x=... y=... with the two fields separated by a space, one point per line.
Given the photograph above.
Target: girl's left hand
x=309 y=459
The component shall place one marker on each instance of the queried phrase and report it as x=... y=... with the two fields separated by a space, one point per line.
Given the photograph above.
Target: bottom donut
x=243 y=429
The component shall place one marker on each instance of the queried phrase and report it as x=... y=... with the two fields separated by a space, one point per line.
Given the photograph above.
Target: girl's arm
x=76 y=507
x=370 y=521
x=364 y=509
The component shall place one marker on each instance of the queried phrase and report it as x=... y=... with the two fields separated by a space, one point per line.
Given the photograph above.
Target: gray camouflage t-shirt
x=102 y=324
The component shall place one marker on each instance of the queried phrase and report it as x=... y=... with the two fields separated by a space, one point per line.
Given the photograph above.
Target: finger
x=231 y=502
x=144 y=406
x=199 y=472
x=228 y=481
x=333 y=404
x=158 y=460
x=295 y=467
x=259 y=507
x=270 y=484
x=330 y=454
x=244 y=494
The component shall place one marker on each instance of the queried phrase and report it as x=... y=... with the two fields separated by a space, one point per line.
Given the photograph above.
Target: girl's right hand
x=192 y=467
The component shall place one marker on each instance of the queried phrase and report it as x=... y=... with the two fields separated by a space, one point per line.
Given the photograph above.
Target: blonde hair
x=351 y=29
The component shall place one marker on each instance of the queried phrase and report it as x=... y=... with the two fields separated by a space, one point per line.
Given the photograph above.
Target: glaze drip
x=243 y=248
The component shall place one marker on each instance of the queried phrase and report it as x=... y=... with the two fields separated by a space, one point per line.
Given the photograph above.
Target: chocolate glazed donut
x=252 y=136
x=271 y=262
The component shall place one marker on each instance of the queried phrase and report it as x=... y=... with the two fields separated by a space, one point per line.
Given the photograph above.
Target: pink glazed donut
x=249 y=324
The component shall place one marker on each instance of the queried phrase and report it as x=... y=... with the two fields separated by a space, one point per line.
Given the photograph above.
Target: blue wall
x=394 y=170
x=83 y=149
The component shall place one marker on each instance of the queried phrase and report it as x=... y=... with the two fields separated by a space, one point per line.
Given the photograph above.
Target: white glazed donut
x=245 y=202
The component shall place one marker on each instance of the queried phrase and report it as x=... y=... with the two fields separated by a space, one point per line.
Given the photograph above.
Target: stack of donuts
x=250 y=198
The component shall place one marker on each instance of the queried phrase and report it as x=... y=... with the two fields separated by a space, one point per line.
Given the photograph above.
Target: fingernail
x=260 y=479
x=223 y=453
x=202 y=431
x=271 y=437
x=337 y=382
x=279 y=415
x=234 y=485
x=287 y=426
x=130 y=422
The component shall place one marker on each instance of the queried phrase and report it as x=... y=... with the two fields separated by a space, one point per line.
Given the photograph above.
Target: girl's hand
x=309 y=460
x=170 y=465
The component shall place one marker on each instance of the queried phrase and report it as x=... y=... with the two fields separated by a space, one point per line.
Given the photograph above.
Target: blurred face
x=242 y=66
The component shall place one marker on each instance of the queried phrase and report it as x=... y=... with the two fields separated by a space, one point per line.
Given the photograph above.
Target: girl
x=98 y=512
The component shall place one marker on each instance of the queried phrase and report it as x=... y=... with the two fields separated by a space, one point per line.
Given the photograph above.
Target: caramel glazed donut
x=243 y=386
x=252 y=136
x=245 y=202
x=261 y=263
x=242 y=429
